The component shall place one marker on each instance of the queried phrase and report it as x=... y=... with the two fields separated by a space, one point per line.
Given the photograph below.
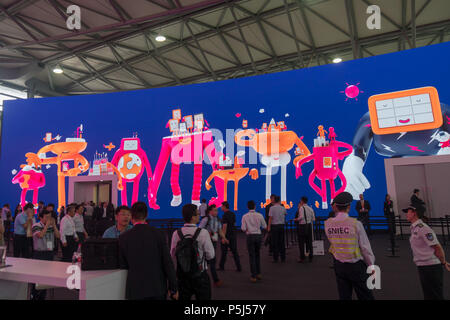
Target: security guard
x=428 y=256
x=351 y=250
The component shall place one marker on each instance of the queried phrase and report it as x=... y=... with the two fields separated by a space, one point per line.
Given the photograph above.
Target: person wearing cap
x=351 y=250
x=428 y=254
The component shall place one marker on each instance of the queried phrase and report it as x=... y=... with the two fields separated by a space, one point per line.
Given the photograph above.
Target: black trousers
x=351 y=276
x=80 y=237
x=432 y=280
x=304 y=233
x=278 y=245
x=390 y=217
x=7 y=234
x=199 y=287
x=233 y=248
x=67 y=251
x=254 y=247
x=41 y=255
x=22 y=246
x=364 y=218
x=268 y=239
x=212 y=264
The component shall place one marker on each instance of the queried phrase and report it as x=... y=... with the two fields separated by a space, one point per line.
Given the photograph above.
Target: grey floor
x=291 y=280
x=312 y=281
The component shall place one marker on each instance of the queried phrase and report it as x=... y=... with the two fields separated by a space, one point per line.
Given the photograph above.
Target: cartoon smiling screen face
x=404 y=111
x=130 y=145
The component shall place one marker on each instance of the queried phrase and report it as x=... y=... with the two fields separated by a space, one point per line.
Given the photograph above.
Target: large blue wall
x=311 y=97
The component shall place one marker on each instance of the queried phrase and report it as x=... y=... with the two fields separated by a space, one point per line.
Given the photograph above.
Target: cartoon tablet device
x=189 y=122
x=183 y=128
x=176 y=114
x=406 y=123
x=199 y=121
x=405 y=111
x=173 y=125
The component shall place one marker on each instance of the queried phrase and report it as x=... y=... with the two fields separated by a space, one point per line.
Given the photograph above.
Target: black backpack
x=187 y=254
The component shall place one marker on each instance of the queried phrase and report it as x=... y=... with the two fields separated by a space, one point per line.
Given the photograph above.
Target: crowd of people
x=179 y=269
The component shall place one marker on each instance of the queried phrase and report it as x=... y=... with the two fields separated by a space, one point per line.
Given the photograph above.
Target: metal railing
x=374 y=225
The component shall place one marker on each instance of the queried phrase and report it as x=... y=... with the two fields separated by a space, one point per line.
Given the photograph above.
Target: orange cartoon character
x=274 y=146
x=235 y=174
x=65 y=151
x=321 y=132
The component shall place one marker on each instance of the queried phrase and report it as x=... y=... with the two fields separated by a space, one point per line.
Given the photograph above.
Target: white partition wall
x=429 y=174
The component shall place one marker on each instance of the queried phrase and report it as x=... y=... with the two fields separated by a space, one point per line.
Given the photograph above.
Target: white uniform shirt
x=67 y=228
x=252 y=222
x=205 y=246
x=363 y=241
x=422 y=239
x=308 y=212
x=79 y=222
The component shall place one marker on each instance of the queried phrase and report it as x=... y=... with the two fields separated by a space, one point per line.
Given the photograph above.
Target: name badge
x=215 y=236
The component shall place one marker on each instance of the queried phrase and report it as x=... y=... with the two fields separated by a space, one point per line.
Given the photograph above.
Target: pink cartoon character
x=30 y=177
x=186 y=148
x=131 y=161
x=326 y=158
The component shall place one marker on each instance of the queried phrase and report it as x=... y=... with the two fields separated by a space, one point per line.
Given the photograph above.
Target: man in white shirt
x=197 y=284
x=252 y=223
x=429 y=256
x=69 y=237
x=202 y=208
x=277 y=220
x=89 y=211
x=305 y=217
x=79 y=223
x=351 y=250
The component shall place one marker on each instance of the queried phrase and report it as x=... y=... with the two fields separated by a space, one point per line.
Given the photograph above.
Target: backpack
x=187 y=253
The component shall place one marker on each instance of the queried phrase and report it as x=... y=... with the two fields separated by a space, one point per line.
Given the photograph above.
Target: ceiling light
x=57 y=69
x=337 y=60
x=160 y=38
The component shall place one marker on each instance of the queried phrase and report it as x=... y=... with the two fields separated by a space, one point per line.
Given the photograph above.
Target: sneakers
x=218 y=283
x=253 y=280
x=258 y=277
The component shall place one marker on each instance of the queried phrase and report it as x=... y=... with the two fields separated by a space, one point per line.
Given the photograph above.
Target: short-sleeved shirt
x=202 y=208
x=253 y=222
x=114 y=233
x=422 y=239
x=305 y=214
x=45 y=243
x=229 y=218
x=211 y=223
x=278 y=214
x=79 y=222
x=21 y=219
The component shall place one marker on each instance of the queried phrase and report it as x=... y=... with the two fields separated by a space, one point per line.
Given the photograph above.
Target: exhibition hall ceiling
x=116 y=46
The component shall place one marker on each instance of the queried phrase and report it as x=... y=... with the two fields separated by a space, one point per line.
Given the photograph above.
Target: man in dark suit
x=363 y=209
x=418 y=203
x=144 y=252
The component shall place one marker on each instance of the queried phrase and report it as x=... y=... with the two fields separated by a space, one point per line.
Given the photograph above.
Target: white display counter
x=94 y=285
